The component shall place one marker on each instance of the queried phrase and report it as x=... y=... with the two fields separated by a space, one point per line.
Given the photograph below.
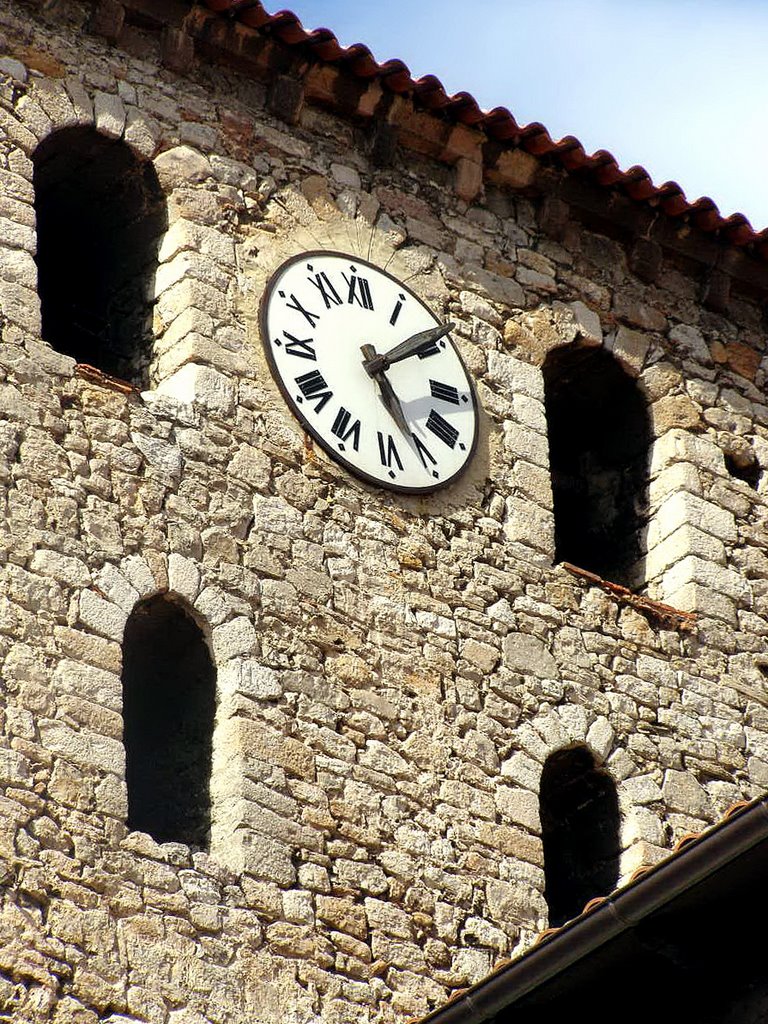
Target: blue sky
x=679 y=86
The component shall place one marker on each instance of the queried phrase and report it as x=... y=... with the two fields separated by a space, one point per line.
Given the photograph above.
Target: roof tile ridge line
x=736 y=224
x=664 y=881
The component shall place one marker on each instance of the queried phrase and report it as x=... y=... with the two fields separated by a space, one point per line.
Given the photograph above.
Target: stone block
x=693 y=569
x=109 y=114
x=201 y=385
x=285 y=98
x=686 y=540
x=683 y=509
x=681 y=446
x=527 y=655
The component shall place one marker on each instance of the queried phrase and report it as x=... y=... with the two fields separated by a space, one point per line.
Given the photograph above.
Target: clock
x=370 y=371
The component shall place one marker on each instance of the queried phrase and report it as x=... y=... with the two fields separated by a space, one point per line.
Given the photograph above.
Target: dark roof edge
x=618 y=913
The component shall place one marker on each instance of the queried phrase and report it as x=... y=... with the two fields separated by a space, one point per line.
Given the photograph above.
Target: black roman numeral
x=301 y=347
x=430 y=349
x=425 y=454
x=329 y=294
x=442 y=428
x=396 y=310
x=311 y=318
x=343 y=431
x=314 y=388
x=359 y=290
x=446 y=392
x=388 y=453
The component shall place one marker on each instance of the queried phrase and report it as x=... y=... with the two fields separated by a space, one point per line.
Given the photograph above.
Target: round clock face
x=370 y=371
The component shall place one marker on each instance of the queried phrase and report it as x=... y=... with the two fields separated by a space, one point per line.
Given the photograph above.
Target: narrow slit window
x=599 y=439
x=169 y=684
x=580 y=832
x=101 y=215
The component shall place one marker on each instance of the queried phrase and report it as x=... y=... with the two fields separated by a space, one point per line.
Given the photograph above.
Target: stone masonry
x=392 y=672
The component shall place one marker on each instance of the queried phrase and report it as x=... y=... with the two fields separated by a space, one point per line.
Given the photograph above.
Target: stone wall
x=392 y=672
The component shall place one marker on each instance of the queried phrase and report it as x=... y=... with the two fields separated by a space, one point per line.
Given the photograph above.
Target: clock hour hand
x=378 y=363
x=388 y=397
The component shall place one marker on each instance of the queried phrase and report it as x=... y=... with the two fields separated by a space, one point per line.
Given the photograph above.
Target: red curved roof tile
x=499 y=124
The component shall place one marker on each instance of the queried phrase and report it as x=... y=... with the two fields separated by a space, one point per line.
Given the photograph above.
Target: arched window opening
x=169 y=683
x=599 y=437
x=580 y=832
x=101 y=215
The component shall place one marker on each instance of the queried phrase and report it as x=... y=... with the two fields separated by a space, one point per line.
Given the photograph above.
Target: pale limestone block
x=315 y=878
x=682 y=792
x=387 y=918
x=481 y=655
x=600 y=738
x=441 y=625
x=639 y=789
x=382 y=758
x=630 y=349
x=102 y=616
x=88 y=682
x=252 y=466
x=683 y=509
x=85 y=747
x=690 y=340
x=139 y=575
x=481 y=750
x=109 y=114
x=233 y=638
x=14 y=768
x=588 y=323
x=522 y=442
x=33 y=117
x=189 y=321
x=519 y=806
x=18 y=236
x=685 y=541
x=184 y=235
x=501 y=611
x=514 y=901
x=477 y=306
x=54 y=99
x=20 y=305
x=182 y=165
x=575 y=721
x=18 y=187
x=541 y=736
x=529 y=412
x=482 y=933
x=515 y=376
x=141 y=133
x=467 y=798
x=81 y=101
x=116 y=588
x=680 y=446
x=14 y=69
x=112 y=797
x=259 y=856
x=190 y=294
x=364 y=876
x=523 y=770
x=183 y=577
x=203 y=386
x=640 y=854
x=641 y=824
x=161 y=455
x=679 y=476
x=17 y=133
x=246 y=676
x=528 y=655
x=17 y=265
x=528 y=524
x=64 y=568
x=275 y=515
x=716 y=577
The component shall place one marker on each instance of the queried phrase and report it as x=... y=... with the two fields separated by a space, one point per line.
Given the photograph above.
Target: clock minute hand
x=386 y=392
x=379 y=363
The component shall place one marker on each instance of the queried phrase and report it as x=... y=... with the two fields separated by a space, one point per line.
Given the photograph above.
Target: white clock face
x=409 y=425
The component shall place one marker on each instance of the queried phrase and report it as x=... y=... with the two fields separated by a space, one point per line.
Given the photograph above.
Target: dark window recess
x=169 y=684
x=743 y=465
x=599 y=436
x=101 y=215
x=580 y=832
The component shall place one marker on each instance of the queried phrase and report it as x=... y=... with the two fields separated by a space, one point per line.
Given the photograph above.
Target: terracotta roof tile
x=498 y=124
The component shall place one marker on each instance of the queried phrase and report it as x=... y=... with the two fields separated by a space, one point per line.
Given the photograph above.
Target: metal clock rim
x=304 y=421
